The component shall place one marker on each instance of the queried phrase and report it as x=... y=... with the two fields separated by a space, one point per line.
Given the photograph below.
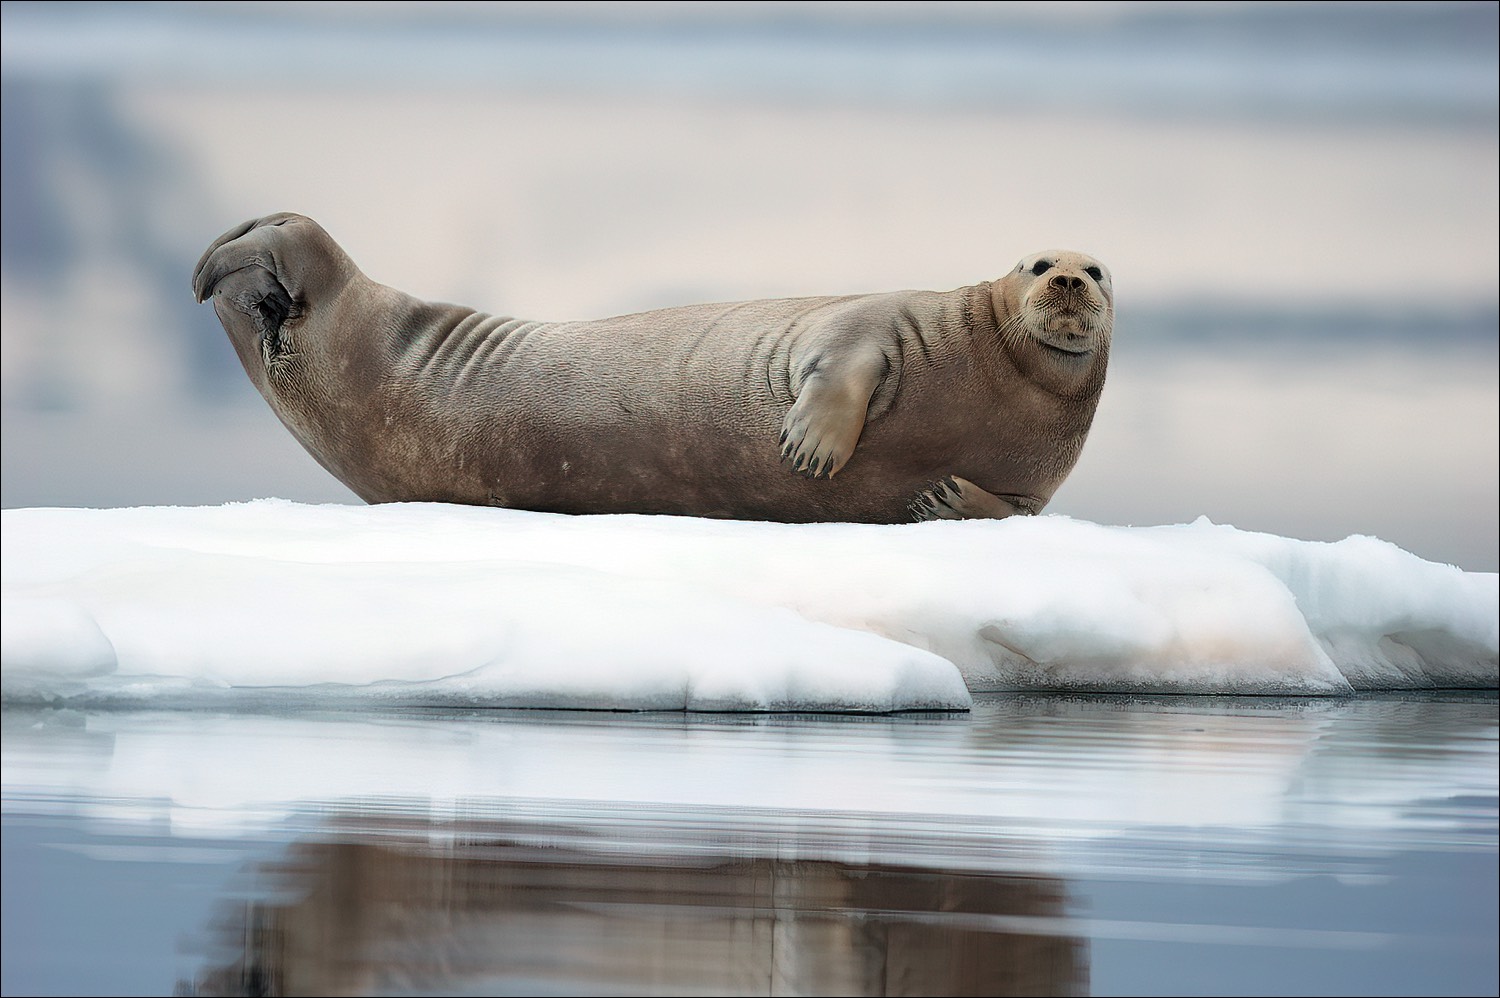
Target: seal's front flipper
x=957 y=498
x=820 y=431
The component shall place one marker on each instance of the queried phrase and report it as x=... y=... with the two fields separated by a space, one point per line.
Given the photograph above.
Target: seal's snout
x=1064 y=283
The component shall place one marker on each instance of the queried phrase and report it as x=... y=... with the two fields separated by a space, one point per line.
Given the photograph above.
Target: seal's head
x=1062 y=300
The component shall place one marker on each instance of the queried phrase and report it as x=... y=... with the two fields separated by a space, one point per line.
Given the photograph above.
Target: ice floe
x=410 y=604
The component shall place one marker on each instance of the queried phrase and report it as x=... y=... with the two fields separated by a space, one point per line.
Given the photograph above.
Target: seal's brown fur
x=872 y=408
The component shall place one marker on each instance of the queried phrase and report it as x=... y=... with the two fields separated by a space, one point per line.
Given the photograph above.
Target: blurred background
x=1298 y=201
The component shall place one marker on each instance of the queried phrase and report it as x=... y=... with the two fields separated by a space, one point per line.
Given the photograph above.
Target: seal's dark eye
x=1040 y=267
x=1094 y=272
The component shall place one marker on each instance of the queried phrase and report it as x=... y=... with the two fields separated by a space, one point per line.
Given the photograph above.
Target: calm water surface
x=1039 y=845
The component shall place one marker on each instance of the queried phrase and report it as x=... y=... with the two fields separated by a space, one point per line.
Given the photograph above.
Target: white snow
x=273 y=601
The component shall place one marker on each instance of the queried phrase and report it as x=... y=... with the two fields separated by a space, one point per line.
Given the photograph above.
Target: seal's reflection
x=494 y=911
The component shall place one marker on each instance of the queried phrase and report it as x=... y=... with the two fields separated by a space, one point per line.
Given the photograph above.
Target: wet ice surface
x=430 y=604
x=1039 y=844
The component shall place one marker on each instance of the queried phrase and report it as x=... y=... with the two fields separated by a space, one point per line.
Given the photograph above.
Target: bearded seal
x=875 y=408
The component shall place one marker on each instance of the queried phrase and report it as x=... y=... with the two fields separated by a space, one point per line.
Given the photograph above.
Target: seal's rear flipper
x=249 y=244
x=254 y=306
x=265 y=301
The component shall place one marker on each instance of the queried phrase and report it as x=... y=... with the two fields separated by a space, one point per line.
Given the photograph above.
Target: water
x=1039 y=845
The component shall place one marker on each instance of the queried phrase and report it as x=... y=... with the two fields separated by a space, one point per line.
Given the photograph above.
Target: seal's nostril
x=1067 y=283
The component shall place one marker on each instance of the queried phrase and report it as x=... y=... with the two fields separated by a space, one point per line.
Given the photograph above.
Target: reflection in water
x=493 y=907
x=1123 y=845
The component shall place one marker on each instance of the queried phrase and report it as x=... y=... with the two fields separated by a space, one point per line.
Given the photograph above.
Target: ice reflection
x=495 y=907
x=1061 y=769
